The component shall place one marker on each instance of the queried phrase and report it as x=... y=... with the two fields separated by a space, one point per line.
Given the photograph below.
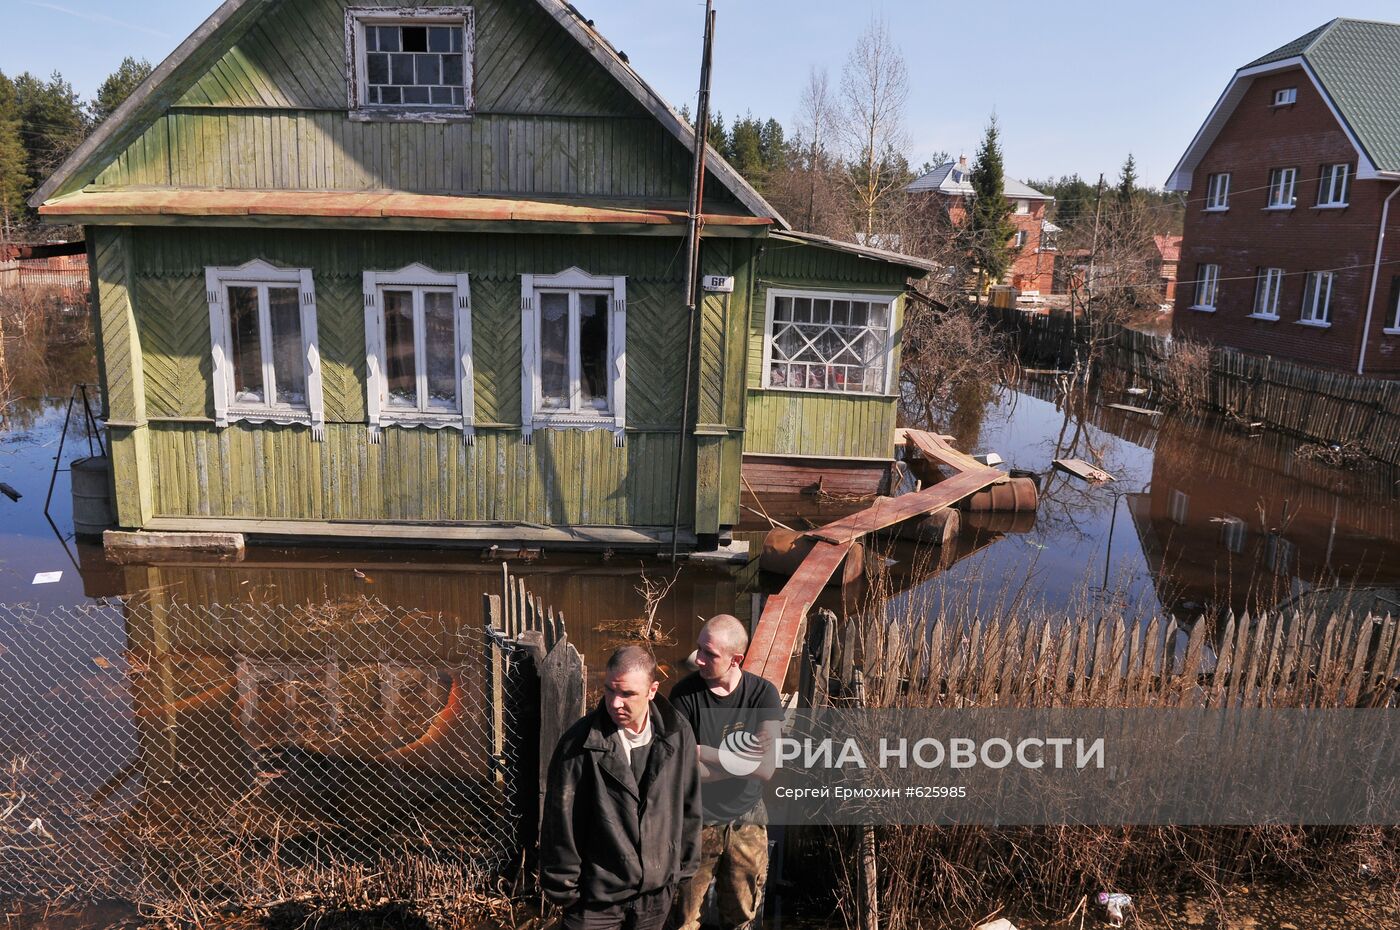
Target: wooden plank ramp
x=780 y=625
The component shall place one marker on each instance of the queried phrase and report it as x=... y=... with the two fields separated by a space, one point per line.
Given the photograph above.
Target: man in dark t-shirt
x=741 y=712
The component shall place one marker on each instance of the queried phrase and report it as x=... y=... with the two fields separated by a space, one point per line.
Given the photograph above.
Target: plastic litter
x=1114 y=903
x=1001 y=923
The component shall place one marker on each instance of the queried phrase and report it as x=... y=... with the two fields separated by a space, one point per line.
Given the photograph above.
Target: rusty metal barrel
x=784 y=550
x=1014 y=495
x=939 y=528
x=988 y=521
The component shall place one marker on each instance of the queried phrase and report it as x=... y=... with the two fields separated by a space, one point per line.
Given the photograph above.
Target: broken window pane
x=415 y=38
x=247 y=345
x=440 y=343
x=554 y=351
x=399 y=369
x=593 y=350
x=288 y=359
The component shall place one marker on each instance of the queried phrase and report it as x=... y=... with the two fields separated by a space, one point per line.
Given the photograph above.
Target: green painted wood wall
x=805 y=422
x=163 y=375
x=271 y=114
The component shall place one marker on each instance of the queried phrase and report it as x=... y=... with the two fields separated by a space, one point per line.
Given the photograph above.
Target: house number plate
x=719 y=284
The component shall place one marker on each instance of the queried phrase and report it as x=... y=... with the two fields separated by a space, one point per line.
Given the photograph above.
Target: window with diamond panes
x=410 y=64
x=829 y=344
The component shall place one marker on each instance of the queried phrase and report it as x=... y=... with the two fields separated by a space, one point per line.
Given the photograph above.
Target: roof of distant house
x=1355 y=64
x=955 y=177
x=1169 y=247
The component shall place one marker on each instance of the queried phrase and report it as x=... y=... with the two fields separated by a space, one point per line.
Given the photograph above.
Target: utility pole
x=1089 y=280
x=692 y=268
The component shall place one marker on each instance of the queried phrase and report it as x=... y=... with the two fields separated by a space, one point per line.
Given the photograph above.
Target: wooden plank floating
x=887 y=513
x=1131 y=409
x=780 y=625
x=1082 y=469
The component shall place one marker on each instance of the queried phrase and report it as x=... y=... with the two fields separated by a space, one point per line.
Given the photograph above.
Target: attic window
x=1285 y=96
x=409 y=61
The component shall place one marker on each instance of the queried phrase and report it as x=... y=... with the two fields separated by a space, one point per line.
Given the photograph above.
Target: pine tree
x=719 y=136
x=118 y=86
x=745 y=148
x=14 y=177
x=1127 y=182
x=772 y=146
x=52 y=122
x=989 y=221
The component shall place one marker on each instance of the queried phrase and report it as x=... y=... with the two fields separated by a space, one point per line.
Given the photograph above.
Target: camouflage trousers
x=735 y=857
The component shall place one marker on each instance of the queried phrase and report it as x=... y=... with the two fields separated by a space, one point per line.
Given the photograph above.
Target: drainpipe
x=1375 y=278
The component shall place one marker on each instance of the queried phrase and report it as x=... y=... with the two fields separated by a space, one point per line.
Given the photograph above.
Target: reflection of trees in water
x=46 y=350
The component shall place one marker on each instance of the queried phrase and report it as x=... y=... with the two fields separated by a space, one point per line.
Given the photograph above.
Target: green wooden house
x=391 y=271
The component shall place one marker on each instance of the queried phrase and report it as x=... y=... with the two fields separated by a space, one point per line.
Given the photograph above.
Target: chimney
x=962 y=161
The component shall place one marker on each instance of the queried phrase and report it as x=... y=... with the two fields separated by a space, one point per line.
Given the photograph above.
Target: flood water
x=194 y=684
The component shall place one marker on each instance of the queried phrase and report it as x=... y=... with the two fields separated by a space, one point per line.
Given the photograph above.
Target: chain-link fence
x=167 y=754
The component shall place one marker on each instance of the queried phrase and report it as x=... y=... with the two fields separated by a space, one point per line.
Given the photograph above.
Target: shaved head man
x=722 y=701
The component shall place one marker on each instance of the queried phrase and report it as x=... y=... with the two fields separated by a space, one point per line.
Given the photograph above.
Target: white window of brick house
x=418 y=349
x=409 y=62
x=1023 y=207
x=1207 y=287
x=1334 y=185
x=1394 y=328
x=1285 y=96
x=831 y=342
x=1283 y=184
x=262 y=327
x=1021 y=238
x=574 y=352
x=1266 y=291
x=1317 y=298
x=1218 y=192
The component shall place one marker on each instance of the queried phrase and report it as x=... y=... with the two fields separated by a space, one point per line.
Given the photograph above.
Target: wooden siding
x=829 y=425
x=173 y=317
x=809 y=423
x=294 y=57
x=564 y=477
x=299 y=150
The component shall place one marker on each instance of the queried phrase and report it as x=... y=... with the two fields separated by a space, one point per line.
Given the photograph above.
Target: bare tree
x=874 y=90
x=808 y=190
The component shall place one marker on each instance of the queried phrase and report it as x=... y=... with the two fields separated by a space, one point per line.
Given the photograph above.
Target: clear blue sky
x=1076 y=84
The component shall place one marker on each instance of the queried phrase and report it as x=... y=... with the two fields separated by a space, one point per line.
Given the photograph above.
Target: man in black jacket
x=621 y=825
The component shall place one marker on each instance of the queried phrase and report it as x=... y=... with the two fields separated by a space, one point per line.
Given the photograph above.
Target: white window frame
x=1283 y=189
x=357 y=83
x=890 y=300
x=1334 y=187
x=532 y=415
x=1178 y=506
x=1022 y=237
x=1207 y=288
x=1285 y=96
x=1394 y=328
x=263 y=274
x=1317 y=298
x=416 y=277
x=1023 y=207
x=1218 y=192
x=1267 y=286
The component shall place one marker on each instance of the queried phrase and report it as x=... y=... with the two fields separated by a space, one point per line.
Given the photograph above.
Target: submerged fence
x=1310 y=403
x=184 y=757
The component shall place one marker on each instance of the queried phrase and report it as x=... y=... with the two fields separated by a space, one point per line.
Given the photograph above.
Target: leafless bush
x=945 y=351
x=1348 y=454
x=1183 y=376
x=38 y=331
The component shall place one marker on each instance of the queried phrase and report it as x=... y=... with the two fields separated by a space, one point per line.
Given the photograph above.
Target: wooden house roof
x=233 y=20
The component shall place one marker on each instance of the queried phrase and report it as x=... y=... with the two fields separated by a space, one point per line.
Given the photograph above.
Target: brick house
x=1291 y=184
x=949 y=187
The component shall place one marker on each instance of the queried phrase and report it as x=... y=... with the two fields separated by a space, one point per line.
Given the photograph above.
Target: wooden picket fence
x=534 y=672
x=1274 y=660
x=1309 y=403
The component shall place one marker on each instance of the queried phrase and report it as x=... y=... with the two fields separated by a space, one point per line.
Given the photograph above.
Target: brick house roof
x=1355 y=64
x=1169 y=247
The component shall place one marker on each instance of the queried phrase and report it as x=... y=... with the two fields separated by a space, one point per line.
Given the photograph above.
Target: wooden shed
x=416 y=272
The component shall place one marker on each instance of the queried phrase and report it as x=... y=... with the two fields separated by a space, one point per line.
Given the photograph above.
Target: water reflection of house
x=418 y=272
x=1241 y=522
